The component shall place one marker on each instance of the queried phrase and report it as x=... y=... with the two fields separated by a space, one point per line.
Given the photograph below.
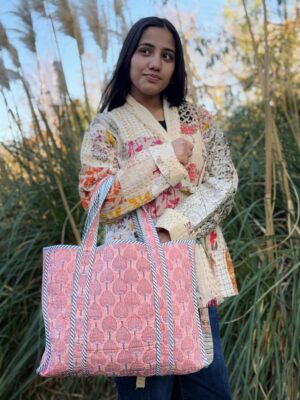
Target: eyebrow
x=151 y=45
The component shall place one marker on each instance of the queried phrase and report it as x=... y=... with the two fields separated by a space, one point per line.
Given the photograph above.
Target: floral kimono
x=188 y=201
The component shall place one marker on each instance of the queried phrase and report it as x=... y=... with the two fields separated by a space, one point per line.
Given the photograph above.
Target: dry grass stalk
x=268 y=141
x=28 y=36
x=69 y=22
x=118 y=7
x=60 y=78
x=39 y=7
x=288 y=37
x=278 y=153
x=190 y=67
x=290 y=109
x=90 y=12
x=49 y=136
x=36 y=124
x=7 y=75
x=294 y=123
x=67 y=209
x=4 y=81
x=70 y=26
x=97 y=24
x=14 y=55
x=271 y=141
x=291 y=95
x=10 y=75
x=104 y=36
x=5 y=43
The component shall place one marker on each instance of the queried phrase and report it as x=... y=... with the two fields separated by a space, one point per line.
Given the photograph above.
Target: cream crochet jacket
x=190 y=202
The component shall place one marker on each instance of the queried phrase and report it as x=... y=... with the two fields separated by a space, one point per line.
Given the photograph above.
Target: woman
x=170 y=156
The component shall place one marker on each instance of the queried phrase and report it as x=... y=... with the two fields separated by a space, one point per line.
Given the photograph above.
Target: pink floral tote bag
x=127 y=308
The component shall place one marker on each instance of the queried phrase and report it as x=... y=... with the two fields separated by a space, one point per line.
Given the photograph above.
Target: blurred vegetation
x=39 y=201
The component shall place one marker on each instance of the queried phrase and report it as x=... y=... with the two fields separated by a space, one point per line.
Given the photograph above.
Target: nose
x=155 y=62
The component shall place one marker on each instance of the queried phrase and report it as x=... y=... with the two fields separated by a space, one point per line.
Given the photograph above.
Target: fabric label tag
x=140 y=381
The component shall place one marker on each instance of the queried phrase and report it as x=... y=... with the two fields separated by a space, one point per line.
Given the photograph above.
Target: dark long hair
x=119 y=86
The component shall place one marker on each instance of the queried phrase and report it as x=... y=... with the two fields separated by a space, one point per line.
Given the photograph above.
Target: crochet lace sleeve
x=138 y=180
x=203 y=210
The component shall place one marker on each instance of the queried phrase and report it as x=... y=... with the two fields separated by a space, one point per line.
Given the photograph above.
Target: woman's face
x=152 y=64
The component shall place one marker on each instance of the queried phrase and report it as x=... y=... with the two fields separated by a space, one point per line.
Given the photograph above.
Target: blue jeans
x=209 y=383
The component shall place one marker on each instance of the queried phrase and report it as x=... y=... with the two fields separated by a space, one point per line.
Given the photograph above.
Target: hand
x=163 y=235
x=183 y=150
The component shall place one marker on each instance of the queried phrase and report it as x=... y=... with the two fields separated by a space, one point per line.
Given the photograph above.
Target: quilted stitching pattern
x=121 y=320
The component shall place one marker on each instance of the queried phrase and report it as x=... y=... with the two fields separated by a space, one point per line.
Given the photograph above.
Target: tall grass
x=39 y=206
x=33 y=214
x=261 y=325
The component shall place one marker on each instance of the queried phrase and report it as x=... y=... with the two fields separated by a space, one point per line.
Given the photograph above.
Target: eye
x=145 y=51
x=168 y=56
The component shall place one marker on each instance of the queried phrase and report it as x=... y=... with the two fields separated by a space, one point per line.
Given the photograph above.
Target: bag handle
x=89 y=239
x=91 y=226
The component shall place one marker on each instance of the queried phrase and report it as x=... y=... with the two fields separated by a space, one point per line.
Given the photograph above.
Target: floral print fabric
x=189 y=201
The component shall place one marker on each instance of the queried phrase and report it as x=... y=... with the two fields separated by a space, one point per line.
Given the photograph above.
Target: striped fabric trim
x=138 y=227
x=44 y=310
x=168 y=294
x=191 y=247
x=85 y=315
x=89 y=235
x=156 y=308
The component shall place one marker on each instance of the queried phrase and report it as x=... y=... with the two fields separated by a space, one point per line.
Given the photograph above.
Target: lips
x=152 y=77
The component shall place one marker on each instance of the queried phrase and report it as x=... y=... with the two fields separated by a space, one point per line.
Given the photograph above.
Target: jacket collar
x=148 y=119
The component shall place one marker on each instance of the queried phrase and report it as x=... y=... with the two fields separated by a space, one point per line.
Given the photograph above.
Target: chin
x=151 y=91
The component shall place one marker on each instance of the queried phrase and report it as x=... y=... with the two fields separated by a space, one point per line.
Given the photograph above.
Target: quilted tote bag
x=127 y=308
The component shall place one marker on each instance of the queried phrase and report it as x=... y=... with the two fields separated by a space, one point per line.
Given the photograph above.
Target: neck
x=153 y=103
